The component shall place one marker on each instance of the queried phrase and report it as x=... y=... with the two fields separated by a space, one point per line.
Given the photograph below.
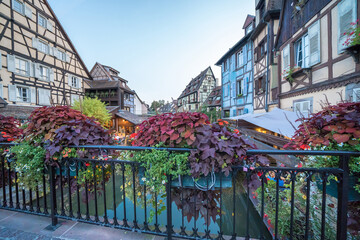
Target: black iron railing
x=117 y=197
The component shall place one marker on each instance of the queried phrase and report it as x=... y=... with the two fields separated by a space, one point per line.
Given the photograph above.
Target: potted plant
x=336 y=127
x=352 y=43
x=240 y=95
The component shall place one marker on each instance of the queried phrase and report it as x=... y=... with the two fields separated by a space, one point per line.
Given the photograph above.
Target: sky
x=157 y=45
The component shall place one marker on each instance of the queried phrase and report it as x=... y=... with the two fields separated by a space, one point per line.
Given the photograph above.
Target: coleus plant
x=172 y=129
x=9 y=129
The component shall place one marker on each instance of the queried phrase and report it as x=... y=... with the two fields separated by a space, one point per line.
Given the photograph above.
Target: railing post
x=168 y=208
x=343 y=189
x=54 y=219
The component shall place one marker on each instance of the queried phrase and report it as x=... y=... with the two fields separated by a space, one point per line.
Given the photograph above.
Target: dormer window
x=249 y=28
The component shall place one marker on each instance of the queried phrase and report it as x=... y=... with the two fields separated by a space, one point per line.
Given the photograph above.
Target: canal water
x=228 y=217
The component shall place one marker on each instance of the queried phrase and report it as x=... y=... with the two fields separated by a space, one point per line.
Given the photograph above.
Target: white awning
x=278 y=120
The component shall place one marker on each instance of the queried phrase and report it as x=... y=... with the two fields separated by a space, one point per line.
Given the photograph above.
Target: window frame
x=302 y=101
x=41 y=76
x=42 y=44
x=19 y=71
x=19 y=92
x=22 y=7
x=240 y=58
x=45 y=20
x=304 y=43
x=239 y=86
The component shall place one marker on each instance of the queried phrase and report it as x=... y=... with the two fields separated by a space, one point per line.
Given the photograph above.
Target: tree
x=93 y=107
x=156 y=105
x=212 y=114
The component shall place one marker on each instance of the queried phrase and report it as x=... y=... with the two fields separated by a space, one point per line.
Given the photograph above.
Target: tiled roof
x=249 y=19
x=214 y=98
x=18 y=112
x=195 y=83
x=105 y=84
x=112 y=109
x=133 y=118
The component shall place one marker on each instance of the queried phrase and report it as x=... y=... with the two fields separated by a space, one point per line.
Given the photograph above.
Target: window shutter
x=67 y=57
x=11 y=63
x=32 y=95
x=0 y=61
x=35 y=42
x=47 y=95
x=314 y=43
x=347 y=14
x=79 y=83
x=32 y=69
x=37 y=70
x=1 y=90
x=49 y=26
x=41 y=96
x=69 y=80
x=286 y=58
x=12 y=93
x=51 y=51
x=28 y=12
x=356 y=95
x=56 y=52
x=51 y=75
x=74 y=98
x=297 y=107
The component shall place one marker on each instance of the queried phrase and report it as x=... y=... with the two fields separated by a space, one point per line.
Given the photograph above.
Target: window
x=226 y=65
x=260 y=85
x=43 y=47
x=22 y=67
x=61 y=55
x=44 y=96
x=249 y=28
x=262 y=49
x=75 y=82
x=226 y=90
x=74 y=98
x=356 y=94
x=302 y=52
x=240 y=87
x=240 y=58
x=303 y=107
x=42 y=21
x=23 y=94
x=285 y=65
x=19 y=7
x=347 y=14
x=205 y=88
x=44 y=73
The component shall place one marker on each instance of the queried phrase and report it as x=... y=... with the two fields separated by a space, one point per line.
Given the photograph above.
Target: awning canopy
x=278 y=120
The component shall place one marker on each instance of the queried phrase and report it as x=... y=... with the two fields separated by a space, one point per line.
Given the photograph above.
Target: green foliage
x=29 y=164
x=93 y=107
x=212 y=114
x=155 y=105
x=353 y=34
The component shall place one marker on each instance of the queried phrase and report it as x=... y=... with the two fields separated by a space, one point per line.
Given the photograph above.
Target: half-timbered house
x=265 y=65
x=197 y=91
x=237 y=75
x=110 y=88
x=314 y=66
x=39 y=64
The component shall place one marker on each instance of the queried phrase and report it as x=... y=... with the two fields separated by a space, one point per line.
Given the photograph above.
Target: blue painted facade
x=237 y=78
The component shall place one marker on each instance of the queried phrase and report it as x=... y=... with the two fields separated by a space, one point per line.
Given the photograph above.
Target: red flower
x=221 y=123
x=87 y=164
x=269 y=221
x=265 y=215
x=236 y=131
x=259 y=174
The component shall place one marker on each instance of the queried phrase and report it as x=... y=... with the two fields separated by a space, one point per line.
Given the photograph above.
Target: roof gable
x=196 y=82
x=249 y=19
x=47 y=8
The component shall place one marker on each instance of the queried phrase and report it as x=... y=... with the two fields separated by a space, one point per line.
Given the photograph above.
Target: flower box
x=332 y=188
x=354 y=51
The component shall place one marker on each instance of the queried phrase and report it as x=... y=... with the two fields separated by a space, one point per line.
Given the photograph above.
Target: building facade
x=140 y=107
x=314 y=66
x=110 y=88
x=197 y=91
x=237 y=75
x=39 y=65
x=265 y=64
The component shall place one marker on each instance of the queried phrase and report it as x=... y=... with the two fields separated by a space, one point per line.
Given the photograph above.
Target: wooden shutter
x=32 y=95
x=346 y=15
x=314 y=43
x=356 y=94
x=32 y=69
x=51 y=51
x=67 y=57
x=1 y=90
x=255 y=54
x=49 y=25
x=35 y=42
x=44 y=96
x=28 y=12
x=12 y=93
x=51 y=75
x=11 y=63
x=37 y=70
x=285 y=58
x=69 y=80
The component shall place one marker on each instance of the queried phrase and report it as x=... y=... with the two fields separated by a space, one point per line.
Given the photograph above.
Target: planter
x=202 y=183
x=354 y=51
x=332 y=188
x=64 y=169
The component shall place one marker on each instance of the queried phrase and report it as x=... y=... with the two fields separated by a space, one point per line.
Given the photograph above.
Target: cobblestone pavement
x=22 y=226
